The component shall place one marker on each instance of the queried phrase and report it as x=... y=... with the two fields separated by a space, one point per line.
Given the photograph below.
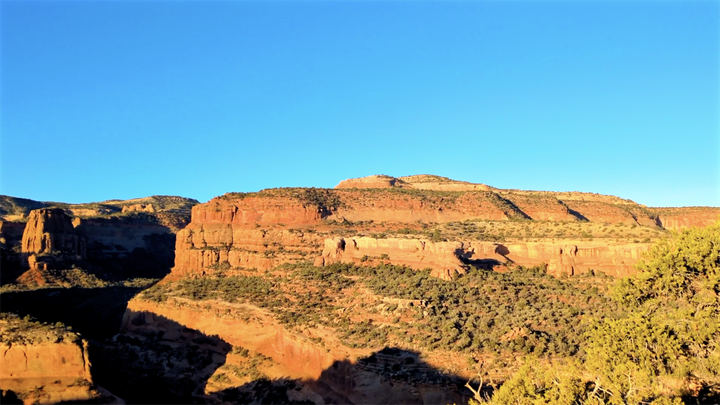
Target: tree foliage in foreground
x=666 y=346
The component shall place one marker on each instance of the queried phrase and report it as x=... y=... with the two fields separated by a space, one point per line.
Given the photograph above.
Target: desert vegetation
x=662 y=349
x=594 y=339
x=481 y=314
x=28 y=330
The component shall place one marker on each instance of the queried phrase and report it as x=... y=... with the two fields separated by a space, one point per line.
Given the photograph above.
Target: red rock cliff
x=44 y=364
x=50 y=230
x=449 y=258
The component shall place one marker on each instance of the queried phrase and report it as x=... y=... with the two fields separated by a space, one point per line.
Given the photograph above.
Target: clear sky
x=124 y=99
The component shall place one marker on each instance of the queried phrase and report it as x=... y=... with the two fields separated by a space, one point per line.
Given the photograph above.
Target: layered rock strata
x=685 y=217
x=262 y=230
x=322 y=368
x=44 y=364
x=446 y=259
x=442 y=257
x=50 y=230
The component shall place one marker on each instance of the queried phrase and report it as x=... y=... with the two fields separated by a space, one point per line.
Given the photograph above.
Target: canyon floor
x=381 y=290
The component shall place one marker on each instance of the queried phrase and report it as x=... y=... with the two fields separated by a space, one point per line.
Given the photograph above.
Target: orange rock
x=375 y=181
x=241 y=230
x=299 y=357
x=44 y=365
x=685 y=217
x=50 y=230
x=442 y=257
x=446 y=259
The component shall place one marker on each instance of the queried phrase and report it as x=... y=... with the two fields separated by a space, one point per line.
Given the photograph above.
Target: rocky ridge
x=264 y=229
x=115 y=239
x=310 y=340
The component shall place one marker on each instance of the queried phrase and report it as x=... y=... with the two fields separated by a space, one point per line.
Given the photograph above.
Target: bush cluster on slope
x=664 y=348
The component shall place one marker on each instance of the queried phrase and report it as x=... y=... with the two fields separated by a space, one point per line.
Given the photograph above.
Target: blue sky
x=123 y=99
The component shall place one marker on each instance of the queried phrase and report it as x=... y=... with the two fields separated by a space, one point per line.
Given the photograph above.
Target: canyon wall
x=137 y=240
x=203 y=248
x=322 y=368
x=45 y=364
x=50 y=230
x=264 y=229
x=446 y=259
x=685 y=217
x=577 y=257
x=442 y=257
x=297 y=355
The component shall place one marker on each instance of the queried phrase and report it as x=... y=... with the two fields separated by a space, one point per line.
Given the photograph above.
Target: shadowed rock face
x=50 y=230
x=44 y=364
x=296 y=370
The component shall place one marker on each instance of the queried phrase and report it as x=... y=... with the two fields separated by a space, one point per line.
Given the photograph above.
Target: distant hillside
x=17 y=209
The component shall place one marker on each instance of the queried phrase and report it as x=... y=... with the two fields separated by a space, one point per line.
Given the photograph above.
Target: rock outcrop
x=44 y=364
x=442 y=257
x=50 y=230
x=577 y=257
x=375 y=181
x=49 y=240
x=685 y=217
x=264 y=229
x=203 y=248
x=138 y=208
x=446 y=259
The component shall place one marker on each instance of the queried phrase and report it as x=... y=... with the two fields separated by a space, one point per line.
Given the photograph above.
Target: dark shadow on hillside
x=96 y=313
x=115 y=263
x=578 y=215
x=709 y=395
x=483 y=264
x=158 y=361
x=389 y=376
x=9 y=397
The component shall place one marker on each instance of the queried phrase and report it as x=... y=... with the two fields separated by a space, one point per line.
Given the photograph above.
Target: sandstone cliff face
x=577 y=257
x=685 y=217
x=50 y=240
x=44 y=361
x=257 y=210
x=325 y=373
x=203 y=248
x=447 y=259
x=262 y=230
x=442 y=257
x=138 y=208
x=43 y=364
x=50 y=230
x=229 y=233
